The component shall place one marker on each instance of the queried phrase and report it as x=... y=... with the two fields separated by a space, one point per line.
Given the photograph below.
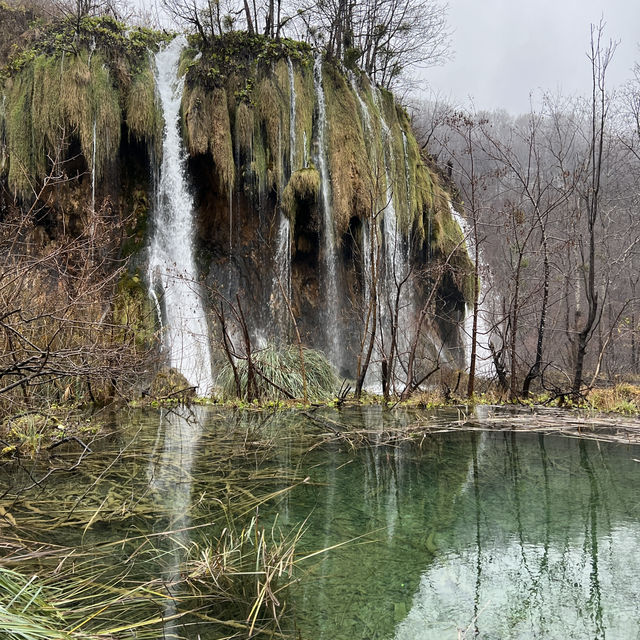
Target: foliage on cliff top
x=76 y=81
x=238 y=53
x=118 y=42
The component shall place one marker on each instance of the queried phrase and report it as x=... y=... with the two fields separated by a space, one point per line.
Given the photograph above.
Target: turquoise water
x=490 y=535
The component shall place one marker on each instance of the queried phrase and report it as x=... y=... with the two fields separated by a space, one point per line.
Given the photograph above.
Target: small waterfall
x=484 y=359
x=172 y=270
x=396 y=259
x=281 y=285
x=329 y=281
x=364 y=111
x=292 y=117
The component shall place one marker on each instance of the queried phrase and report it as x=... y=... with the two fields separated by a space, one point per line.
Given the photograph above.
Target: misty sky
x=504 y=49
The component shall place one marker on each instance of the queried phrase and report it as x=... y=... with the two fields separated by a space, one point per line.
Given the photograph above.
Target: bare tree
x=600 y=57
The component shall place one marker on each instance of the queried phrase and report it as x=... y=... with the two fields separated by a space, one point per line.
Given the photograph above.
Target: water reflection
x=536 y=552
x=489 y=535
x=170 y=481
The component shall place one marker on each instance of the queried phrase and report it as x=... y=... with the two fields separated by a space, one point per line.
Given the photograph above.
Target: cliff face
x=295 y=165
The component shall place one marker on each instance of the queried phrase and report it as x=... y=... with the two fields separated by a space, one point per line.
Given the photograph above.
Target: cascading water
x=484 y=359
x=172 y=271
x=396 y=259
x=330 y=259
x=281 y=286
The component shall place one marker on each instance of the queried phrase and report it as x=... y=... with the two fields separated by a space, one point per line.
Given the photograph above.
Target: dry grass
x=623 y=398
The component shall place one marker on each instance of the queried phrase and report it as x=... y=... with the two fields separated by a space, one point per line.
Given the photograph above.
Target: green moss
x=350 y=170
x=143 y=117
x=19 y=133
x=134 y=312
x=303 y=188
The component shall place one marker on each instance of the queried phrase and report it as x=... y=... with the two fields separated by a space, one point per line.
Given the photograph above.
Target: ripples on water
x=474 y=535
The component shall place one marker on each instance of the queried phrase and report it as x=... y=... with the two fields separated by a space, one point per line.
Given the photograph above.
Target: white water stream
x=329 y=282
x=484 y=359
x=172 y=271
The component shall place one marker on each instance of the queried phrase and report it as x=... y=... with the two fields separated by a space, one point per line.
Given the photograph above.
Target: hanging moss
x=273 y=111
x=143 y=117
x=305 y=104
x=58 y=98
x=349 y=168
x=244 y=123
x=19 y=133
x=208 y=130
x=303 y=188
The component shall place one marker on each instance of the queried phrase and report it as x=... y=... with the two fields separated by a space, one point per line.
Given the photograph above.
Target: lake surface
x=488 y=535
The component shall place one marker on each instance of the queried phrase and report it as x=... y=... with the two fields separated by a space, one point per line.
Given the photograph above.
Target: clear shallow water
x=501 y=535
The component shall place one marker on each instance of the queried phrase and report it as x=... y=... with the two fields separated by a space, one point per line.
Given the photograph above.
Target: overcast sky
x=504 y=49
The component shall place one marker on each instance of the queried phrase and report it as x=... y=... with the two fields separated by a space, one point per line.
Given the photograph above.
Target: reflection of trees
x=525 y=553
x=405 y=496
x=591 y=542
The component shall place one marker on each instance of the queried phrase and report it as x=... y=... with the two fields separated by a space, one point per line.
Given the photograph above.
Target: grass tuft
x=283 y=368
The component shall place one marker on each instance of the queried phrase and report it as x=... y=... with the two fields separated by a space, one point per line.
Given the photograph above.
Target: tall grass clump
x=280 y=375
x=246 y=570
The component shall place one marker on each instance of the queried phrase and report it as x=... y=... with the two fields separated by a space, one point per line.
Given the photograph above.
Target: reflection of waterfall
x=484 y=360
x=330 y=258
x=170 y=481
x=172 y=269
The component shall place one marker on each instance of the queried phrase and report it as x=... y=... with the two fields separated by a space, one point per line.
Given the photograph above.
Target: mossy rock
x=301 y=190
x=134 y=312
x=171 y=384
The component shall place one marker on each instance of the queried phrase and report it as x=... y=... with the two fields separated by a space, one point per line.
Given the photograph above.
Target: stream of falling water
x=396 y=260
x=329 y=282
x=172 y=271
x=484 y=359
x=281 y=286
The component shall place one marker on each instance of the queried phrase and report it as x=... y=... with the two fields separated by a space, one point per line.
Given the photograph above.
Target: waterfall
x=292 y=117
x=172 y=270
x=281 y=285
x=329 y=281
x=484 y=359
x=396 y=259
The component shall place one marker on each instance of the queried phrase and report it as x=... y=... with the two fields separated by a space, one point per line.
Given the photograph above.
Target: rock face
x=310 y=194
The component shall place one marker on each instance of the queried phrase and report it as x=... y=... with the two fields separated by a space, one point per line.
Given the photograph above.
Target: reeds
x=280 y=375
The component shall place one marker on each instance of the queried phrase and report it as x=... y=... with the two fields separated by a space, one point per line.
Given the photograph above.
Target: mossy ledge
x=76 y=85
x=237 y=111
